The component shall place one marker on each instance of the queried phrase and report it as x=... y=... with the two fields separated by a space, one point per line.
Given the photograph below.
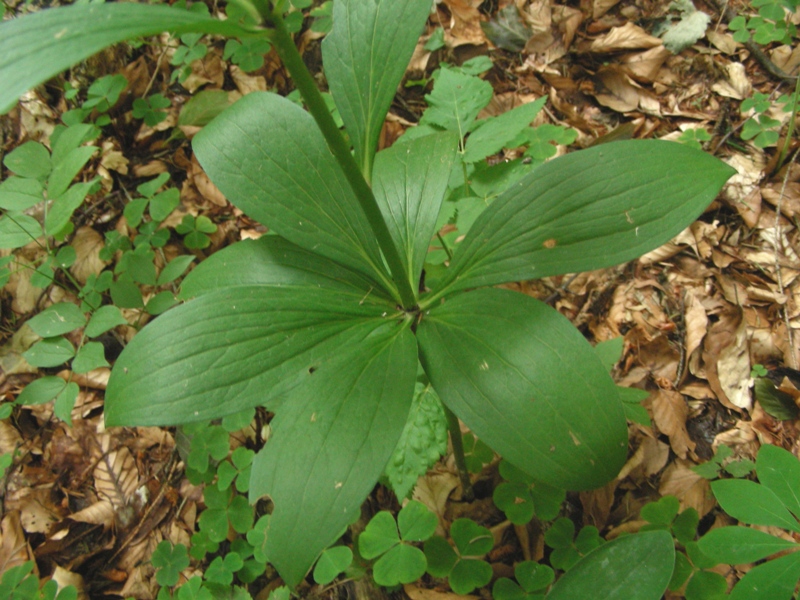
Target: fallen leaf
x=670 y=412
x=627 y=37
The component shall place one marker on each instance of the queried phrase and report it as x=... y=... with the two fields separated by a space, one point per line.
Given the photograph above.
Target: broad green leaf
x=49 y=352
x=57 y=319
x=349 y=416
x=37 y=46
x=779 y=471
x=365 y=56
x=40 y=391
x=415 y=522
x=64 y=206
x=402 y=564
x=707 y=585
x=740 y=545
x=587 y=210
x=233 y=349
x=634 y=567
x=269 y=158
x=752 y=503
x=19 y=193
x=66 y=170
x=524 y=380
x=774 y=580
x=17 y=230
x=332 y=562
x=409 y=182
x=272 y=260
x=456 y=101
x=31 y=160
x=90 y=356
x=494 y=133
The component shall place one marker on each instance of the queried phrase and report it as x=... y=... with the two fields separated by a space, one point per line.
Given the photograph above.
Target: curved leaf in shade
x=365 y=56
x=409 y=182
x=272 y=260
x=268 y=157
x=233 y=349
x=587 y=210
x=35 y=47
x=779 y=470
x=330 y=443
x=633 y=567
x=527 y=383
x=773 y=580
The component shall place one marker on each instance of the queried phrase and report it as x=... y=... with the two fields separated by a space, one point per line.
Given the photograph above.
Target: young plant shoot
x=324 y=324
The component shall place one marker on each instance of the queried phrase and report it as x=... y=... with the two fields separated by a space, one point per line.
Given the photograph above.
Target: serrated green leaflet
x=409 y=183
x=587 y=210
x=349 y=416
x=43 y=44
x=236 y=348
x=300 y=190
x=456 y=101
x=635 y=567
x=524 y=380
x=365 y=56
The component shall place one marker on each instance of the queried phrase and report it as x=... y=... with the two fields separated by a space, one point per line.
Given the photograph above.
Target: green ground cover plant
x=327 y=323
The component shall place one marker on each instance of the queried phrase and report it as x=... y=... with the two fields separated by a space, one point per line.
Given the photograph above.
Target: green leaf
x=409 y=182
x=740 y=545
x=587 y=210
x=170 y=561
x=379 y=535
x=469 y=574
x=470 y=538
x=775 y=403
x=234 y=349
x=706 y=585
x=634 y=567
x=662 y=512
x=31 y=160
x=456 y=101
x=90 y=356
x=57 y=319
x=161 y=205
x=300 y=191
x=272 y=260
x=64 y=206
x=65 y=170
x=494 y=133
x=192 y=590
x=423 y=442
x=610 y=352
x=41 y=391
x=774 y=580
x=17 y=230
x=203 y=106
x=532 y=576
x=104 y=319
x=18 y=193
x=523 y=379
x=752 y=503
x=401 y=564
x=349 y=413
x=49 y=352
x=415 y=522
x=38 y=46
x=365 y=56
x=779 y=471
x=440 y=556
x=332 y=562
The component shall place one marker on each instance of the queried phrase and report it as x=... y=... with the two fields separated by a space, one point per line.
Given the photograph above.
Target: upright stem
x=458 y=452
x=316 y=105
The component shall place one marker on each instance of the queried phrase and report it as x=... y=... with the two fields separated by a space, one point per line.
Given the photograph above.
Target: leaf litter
x=696 y=315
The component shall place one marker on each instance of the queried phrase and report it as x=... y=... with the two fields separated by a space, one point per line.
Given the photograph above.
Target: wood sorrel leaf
x=634 y=567
x=365 y=56
x=409 y=182
x=528 y=384
x=234 y=349
x=330 y=443
x=37 y=46
x=272 y=260
x=268 y=157
x=587 y=210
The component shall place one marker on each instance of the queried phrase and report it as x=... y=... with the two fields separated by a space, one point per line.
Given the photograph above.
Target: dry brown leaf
x=627 y=37
x=670 y=412
x=723 y=42
x=88 y=244
x=465 y=25
x=736 y=84
x=247 y=84
x=101 y=512
x=696 y=322
x=645 y=65
x=14 y=549
x=203 y=184
x=727 y=361
x=692 y=490
x=36 y=512
x=63 y=578
x=616 y=90
x=601 y=7
x=433 y=489
x=116 y=476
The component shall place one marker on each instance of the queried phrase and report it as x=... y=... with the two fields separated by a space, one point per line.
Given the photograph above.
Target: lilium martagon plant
x=324 y=323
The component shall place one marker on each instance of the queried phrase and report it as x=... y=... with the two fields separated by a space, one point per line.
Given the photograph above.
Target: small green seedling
x=462 y=564
x=722 y=461
x=151 y=109
x=390 y=542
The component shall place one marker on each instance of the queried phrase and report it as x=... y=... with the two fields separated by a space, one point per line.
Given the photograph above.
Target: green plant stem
x=445 y=246
x=293 y=62
x=454 y=428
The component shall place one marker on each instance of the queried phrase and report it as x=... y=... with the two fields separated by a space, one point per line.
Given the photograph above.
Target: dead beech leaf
x=14 y=550
x=204 y=186
x=723 y=42
x=627 y=37
x=465 y=25
x=736 y=84
x=63 y=578
x=727 y=360
x=687 y=486
x=670 y=412
x=34 y=513
x=616 y=90
x=246 y=84
x=601 y=7
x=116 y=476
x=645 y=65
x=88 y=244
x=100 y=513
x=696 y=322
x=433 y=489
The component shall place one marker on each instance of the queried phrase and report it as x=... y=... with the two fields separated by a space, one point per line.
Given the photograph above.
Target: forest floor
x=699 y=316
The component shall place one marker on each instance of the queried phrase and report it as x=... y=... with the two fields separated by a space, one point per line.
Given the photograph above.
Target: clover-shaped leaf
x=257 y=538
x=207 y=441
x=522 y=497
x=661 y=513
x=221 y=570
x=332 y=562
x=567 y=552
x=461 y=565
x=170 y=561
